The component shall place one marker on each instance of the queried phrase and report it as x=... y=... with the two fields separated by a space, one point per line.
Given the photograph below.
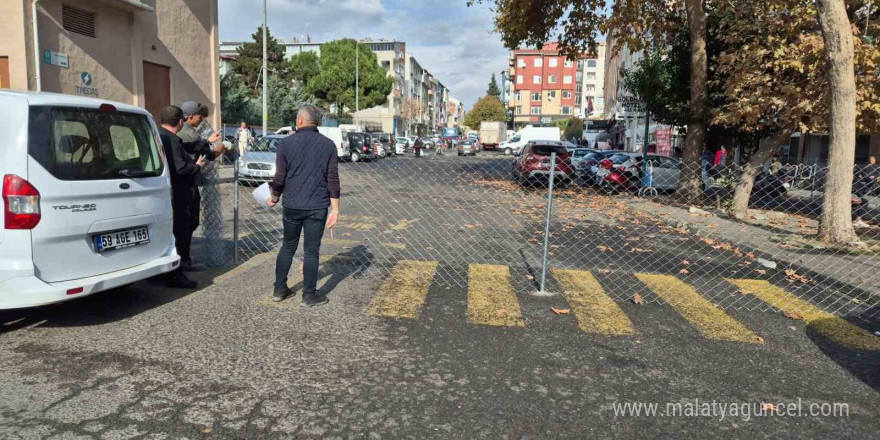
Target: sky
x=453 y=41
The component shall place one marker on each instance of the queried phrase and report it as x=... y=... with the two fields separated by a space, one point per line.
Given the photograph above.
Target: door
x=157 y=89
x=4 y=72
x=106 y=205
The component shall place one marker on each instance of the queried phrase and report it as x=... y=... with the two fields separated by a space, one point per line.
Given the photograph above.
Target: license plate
x=121 y=239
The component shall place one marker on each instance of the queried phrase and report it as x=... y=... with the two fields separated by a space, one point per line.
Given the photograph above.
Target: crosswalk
x=492 y=300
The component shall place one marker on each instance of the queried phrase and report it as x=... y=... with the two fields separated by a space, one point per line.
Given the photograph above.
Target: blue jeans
x=295 y=221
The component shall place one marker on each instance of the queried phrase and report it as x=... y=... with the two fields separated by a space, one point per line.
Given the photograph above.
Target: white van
x=86 y=196
x=528 y=134
x=335 y=135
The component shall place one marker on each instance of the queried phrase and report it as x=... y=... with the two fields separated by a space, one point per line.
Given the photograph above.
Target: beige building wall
x=179 y=34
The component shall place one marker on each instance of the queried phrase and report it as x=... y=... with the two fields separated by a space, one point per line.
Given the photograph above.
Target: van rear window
x=89 y=144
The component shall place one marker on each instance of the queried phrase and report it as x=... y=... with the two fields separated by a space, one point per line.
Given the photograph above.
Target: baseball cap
x=190 y=108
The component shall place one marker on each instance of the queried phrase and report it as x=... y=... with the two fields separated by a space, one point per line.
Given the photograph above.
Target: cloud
x=450 y=39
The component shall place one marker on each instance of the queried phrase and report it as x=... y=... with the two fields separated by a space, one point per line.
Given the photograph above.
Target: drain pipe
x=36 y=45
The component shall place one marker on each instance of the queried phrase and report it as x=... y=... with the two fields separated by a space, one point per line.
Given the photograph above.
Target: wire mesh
x=461 y=206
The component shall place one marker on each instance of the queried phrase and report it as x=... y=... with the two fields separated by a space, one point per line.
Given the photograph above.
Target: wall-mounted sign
x=631 y=104
x=56 y=59
x=85 y=88
x=546 y=120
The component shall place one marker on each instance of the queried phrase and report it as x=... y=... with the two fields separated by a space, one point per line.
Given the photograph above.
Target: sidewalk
x=780 y=237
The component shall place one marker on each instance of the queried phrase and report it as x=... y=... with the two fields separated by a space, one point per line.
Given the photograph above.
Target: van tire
x=355 y=157
x=508 y=151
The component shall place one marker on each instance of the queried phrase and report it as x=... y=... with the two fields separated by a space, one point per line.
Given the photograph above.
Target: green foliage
x=488 y=108
x=335 y=84
x=573 y=129
x=284 y=100
x=493 y=89
x=305 y=66
x=660 y=80
x=250 y=60
x=235 y=101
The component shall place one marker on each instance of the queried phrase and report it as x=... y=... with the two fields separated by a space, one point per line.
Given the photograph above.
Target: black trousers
x=312 y=223
x=186 y=203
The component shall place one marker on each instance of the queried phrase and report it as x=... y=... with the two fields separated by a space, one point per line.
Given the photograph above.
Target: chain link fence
x=613 y=219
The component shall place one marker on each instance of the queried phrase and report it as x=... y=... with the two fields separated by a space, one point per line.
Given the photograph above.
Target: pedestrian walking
x=184 y=192
x=245 y=138
x=307 y=182
x=417 y=147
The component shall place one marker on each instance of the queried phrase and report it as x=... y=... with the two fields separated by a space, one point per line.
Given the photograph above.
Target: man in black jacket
x=307 y=176
x=184 y=192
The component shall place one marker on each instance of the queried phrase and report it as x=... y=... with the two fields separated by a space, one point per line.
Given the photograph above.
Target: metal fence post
x=235 y=209
x=547 y=223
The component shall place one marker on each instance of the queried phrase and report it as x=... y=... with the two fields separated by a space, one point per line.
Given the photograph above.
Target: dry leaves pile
x=793 y=276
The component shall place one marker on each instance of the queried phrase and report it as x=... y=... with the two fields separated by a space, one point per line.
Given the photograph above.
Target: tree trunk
x=743 y=191
x=835 y=224
x=691 y=174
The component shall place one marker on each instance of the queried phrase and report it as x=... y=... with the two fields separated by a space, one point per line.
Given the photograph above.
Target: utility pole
x=265 y=75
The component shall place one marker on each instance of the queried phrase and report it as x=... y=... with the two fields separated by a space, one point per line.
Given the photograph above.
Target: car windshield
x=267 y=145
x=545 y=150
x=468 y=142
x=620 y=159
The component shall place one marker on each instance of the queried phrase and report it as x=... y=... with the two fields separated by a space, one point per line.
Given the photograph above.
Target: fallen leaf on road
x=768 y=406
x=429 y=248
x=347 y=234
x=761 y=271
x=603 y=248
x=686 y=262
x=206 y=431
x=560 y=311
x=346 y=248
x=530 y=277
x=744 y=292
x=793 y=276
x=794 y=316
x=638 y=299
x=759 y=339
x=684 y=271
x=603 y=271
x=792 y=328
x=501 y=312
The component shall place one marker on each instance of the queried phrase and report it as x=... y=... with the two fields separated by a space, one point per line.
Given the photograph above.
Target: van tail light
x=606 y=163
x=21 y=203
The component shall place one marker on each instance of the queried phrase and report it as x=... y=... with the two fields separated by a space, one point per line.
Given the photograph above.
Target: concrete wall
x=12 y=41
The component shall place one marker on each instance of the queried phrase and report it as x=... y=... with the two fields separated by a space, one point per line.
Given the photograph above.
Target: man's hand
x=202 y=161
x=272 y=201
x=214 y=137
x=332 y=218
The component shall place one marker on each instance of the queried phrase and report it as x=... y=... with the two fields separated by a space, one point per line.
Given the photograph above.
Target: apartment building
x=544 y=86
x=149 y=53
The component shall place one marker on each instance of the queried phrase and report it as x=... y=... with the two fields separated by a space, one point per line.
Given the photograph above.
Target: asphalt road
x=435 y=330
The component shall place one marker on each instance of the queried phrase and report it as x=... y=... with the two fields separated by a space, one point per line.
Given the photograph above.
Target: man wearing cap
x=193 y=143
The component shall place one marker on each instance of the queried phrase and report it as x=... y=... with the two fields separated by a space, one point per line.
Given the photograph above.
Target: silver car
x=258 y=164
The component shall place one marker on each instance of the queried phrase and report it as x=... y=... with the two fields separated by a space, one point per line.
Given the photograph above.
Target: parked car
x=87 y=198
x=665 y=171
x=387 y=141
x=533 y=163
x=360 y=147
x=578 y=156
x=401 y=145
x=467 y=148
x=288 y=130
x=428 y=142
x=258 y=164
x=336 y=135
x=589 y=166
x=627 y=165
x=377 y=146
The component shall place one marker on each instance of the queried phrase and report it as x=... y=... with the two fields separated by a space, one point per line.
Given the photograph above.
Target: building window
x=580 y=76
x=551 y=79
x=566 y=110
x=539 y=62
x=591 y=75
x=551 y=94
x=521 y=62
x=591 y=63
x=78 y=21
x=536 y=79
x=553 y=62
x=569 y=63
x=577 y=100
x=519 y=96
x=519 y=109
x=580 y=64
x=519 y=79
x=577 y=88
x=536 y=109
x=536 y=96
x=591 y=88
x=566 y=79
x=566 y=94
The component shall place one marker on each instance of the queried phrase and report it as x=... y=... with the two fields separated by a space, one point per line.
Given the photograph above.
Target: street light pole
x=357 y=76
x=265 y=75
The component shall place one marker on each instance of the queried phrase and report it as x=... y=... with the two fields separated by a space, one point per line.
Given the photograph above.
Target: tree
x=493 y=89
x=778 y=83
x=250 y=60
x=304 y=66
x=410 y=110
x=335 y=84
x=574 y=129
x=487 y=108
x=284 y=100
x=235 y=102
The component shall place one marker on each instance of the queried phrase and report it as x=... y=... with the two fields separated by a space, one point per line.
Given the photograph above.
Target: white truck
x=528 y=134
x=492 y=133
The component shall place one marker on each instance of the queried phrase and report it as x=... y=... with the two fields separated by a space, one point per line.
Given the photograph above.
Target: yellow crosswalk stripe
x=837 y=329
x=403 y=294
x=491 y=297
x=708 y=318
x=594 y=310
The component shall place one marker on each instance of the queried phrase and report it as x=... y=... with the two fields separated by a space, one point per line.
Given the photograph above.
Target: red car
x=533 y=163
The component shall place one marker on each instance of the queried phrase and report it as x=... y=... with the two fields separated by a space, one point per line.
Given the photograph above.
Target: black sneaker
x=180 y=281
x=280 y=294
x=314 y=299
